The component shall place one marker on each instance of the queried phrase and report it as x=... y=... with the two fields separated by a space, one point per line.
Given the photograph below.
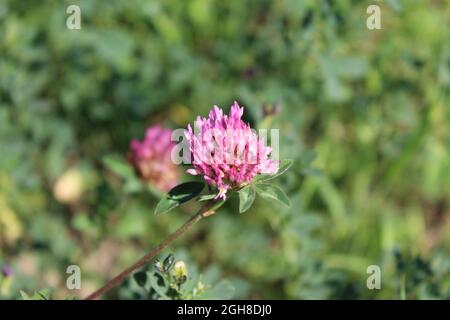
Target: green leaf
x=168 y=262
x=272 y=192
x=207 y=197
x=38 y=295
x=221 y=291
x=186 y=191
x=312 y=172
x=247 y=196
x=119 y=166
x=160 y=288
x=284 y=166
x=307 y=158
x=25 y=296
x=165 y=205
x=154 y=191
x=84 y=224
x=178 y=195
x=158 y=265
x=140 y=278
x=218 y=204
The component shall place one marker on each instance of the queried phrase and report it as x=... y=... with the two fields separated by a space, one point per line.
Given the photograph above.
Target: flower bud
x=179 y=272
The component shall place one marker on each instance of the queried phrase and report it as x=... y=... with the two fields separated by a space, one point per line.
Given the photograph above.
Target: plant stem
x=205 y=211
x=403 y=287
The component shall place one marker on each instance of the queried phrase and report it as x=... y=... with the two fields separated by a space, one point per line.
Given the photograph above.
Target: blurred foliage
x=372 y=104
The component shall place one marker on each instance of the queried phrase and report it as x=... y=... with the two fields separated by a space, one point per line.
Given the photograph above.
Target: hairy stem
x=207 y=210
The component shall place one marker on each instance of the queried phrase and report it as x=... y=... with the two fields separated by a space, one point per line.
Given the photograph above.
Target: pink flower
x=151 y=158
x=226 y=151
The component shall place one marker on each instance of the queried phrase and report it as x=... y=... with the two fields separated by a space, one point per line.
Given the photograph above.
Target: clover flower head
x=226 y=151
x=151 y=158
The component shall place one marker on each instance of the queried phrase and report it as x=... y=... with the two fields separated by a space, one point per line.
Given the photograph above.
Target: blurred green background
x=365 y=114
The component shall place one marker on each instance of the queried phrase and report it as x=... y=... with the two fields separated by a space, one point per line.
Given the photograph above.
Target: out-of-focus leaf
x=119 y=166
x=43 y=294
x=272 y=192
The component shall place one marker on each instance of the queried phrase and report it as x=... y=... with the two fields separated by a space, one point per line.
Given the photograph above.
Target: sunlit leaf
x=119 y=166
x=178 y=195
